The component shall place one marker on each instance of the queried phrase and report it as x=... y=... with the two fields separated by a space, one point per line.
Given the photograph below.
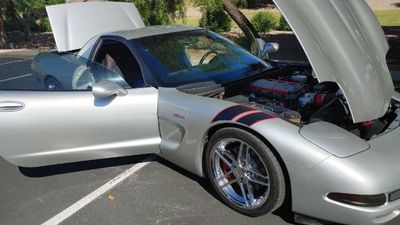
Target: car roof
x=152 y=31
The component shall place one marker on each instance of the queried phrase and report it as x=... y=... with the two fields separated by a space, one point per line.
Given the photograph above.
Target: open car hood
x=345 y=44
x=74 y=24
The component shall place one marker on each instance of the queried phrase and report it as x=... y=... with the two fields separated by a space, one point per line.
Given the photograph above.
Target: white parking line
x=68 y=212
x=17 y=61
x=14 y=78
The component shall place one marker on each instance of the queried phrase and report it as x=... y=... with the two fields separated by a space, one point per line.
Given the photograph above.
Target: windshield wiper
x=257 y=67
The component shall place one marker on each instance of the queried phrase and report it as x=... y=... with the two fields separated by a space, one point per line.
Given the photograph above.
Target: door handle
x=11 y=106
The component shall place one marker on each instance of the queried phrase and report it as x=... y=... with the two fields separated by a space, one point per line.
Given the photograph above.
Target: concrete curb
x=21 y=53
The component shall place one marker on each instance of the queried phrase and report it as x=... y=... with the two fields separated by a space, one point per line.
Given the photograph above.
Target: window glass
x=196 y=56
x=62 y=72
x=117 y=57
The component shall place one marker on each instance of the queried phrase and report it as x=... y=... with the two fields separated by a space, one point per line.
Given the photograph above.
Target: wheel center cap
x=239 y=173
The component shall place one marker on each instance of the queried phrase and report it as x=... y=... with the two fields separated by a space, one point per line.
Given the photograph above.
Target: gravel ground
x=384 y=4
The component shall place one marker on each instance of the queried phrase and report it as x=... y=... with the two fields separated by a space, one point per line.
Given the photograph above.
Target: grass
x=191 y=21
x=390 y=17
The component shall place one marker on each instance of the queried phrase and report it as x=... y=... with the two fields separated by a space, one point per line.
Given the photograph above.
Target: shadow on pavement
x=79 y=166
x=284 y=212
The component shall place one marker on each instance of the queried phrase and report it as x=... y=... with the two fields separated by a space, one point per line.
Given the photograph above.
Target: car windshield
x=196 y=56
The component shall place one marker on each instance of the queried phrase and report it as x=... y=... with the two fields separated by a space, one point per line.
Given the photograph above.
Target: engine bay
x=293 y=93
x=296 y=96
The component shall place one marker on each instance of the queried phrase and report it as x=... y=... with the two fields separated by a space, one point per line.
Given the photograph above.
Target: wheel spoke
x=258 y=174
x=227 y=183
x=254 y=180
x=226 y=159
x=251 y=192
x=243 y=193
x=247 y=160
x=224 y=176
x=239 y=157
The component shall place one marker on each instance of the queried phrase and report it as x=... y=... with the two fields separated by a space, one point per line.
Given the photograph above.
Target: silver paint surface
x=61 y=127
x=333 y=139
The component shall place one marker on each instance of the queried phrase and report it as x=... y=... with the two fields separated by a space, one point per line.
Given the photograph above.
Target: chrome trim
x=11 y=106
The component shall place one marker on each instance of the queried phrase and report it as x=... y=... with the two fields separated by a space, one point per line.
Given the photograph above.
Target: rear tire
x=239 y=164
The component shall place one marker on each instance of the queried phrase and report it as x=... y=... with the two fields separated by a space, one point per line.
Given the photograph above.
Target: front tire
x=244 y=172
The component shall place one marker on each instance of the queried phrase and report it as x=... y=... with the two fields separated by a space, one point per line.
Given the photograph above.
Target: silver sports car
x=322 y=137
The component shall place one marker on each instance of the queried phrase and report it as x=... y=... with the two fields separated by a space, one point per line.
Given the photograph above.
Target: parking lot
x=130 y=190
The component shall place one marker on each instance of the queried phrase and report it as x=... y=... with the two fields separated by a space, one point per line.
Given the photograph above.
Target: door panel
x=60 y=127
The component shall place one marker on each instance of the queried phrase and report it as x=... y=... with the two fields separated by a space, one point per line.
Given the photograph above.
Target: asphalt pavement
x=129 y=190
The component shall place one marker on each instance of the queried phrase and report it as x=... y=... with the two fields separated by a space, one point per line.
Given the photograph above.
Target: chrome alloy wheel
x=239 y=173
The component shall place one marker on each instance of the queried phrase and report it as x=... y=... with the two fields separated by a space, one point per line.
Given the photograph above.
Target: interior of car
x=117 y=57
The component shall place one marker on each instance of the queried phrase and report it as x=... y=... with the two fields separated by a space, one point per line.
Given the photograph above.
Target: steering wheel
x=82 y=78
x=207 y=54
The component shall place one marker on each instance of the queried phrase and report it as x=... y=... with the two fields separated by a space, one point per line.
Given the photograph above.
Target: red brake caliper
x=225 y=169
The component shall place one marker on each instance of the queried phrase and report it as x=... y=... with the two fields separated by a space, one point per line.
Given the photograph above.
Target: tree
x=157 y=12
x=3 y=34
x=24 y=13
x=214 y=16
x=18 y=10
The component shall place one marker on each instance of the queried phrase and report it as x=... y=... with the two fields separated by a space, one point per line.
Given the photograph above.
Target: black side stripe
x=231 y=112
x=254 y=118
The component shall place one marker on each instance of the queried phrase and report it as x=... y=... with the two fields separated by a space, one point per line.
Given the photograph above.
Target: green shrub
x=44 y=25
x=241 y=3
x=215 y=19
x=264 y=22
x=158 y=12
x=11 y=25
x=30 y=20
x=283 y=24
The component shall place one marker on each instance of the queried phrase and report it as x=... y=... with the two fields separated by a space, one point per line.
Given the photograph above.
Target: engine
x=301 y=99
x=297 y=96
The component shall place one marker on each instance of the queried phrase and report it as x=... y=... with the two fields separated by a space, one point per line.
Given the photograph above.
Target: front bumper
x=386 y=214
x=375 y=171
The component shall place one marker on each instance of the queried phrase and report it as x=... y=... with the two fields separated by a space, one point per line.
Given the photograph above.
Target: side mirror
x=106 y=88
x=266 y=48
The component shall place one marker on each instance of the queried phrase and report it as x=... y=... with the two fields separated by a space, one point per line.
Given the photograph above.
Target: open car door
x=244 y=24
x=73 y=122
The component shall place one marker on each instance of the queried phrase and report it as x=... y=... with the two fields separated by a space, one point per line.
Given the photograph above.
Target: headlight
x=359 y=200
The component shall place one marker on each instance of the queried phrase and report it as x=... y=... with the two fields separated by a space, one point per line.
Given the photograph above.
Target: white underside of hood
x=74 y=24
x=345 y=44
